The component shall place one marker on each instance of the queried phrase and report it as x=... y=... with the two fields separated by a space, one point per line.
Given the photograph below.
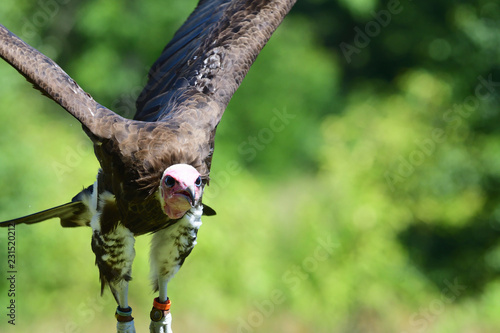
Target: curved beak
x=192 y=194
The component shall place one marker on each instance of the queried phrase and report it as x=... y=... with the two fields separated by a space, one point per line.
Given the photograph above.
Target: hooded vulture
x=154 y=167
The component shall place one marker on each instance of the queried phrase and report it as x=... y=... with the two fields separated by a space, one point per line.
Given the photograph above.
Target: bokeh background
x=356 y=172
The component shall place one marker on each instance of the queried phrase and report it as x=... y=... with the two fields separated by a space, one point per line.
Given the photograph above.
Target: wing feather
x=207 y=59
x=52 y=81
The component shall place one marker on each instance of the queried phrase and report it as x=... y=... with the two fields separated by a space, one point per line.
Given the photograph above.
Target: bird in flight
x=154 y=167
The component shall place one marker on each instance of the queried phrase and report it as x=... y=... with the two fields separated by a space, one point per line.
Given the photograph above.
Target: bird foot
x=164 y=325
x=125 y=327
x=161 y=319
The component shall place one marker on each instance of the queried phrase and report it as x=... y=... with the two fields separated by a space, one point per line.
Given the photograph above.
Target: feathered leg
x=113 y=246
x=114 y=256
x=163 y=268
x=169 y=249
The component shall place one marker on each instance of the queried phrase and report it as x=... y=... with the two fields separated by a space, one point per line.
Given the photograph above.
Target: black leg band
x=124 y=315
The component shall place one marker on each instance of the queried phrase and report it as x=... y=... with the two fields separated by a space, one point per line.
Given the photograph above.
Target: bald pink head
x=180 y=190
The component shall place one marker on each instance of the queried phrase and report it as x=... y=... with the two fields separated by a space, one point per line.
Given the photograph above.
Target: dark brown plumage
x=178 y=111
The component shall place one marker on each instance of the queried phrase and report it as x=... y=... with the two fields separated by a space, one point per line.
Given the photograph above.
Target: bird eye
x=197 y=182
x=169 y=181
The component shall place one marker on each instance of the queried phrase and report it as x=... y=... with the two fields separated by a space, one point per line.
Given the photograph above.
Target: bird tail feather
x=72 y=214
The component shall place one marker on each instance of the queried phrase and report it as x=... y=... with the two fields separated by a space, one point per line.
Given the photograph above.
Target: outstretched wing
x=52 y=81
x=208 y=57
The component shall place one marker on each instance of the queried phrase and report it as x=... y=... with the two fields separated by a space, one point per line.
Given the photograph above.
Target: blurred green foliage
x=371 y=206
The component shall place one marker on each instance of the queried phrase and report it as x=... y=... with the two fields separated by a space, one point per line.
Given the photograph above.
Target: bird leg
x=164 y=265
x=169 y=249
x=161 y=319
x=115 y=253
x=123 y=314
x=162 y=288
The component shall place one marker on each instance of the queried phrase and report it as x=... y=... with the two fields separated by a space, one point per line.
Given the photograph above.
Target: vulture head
x=180 y=190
